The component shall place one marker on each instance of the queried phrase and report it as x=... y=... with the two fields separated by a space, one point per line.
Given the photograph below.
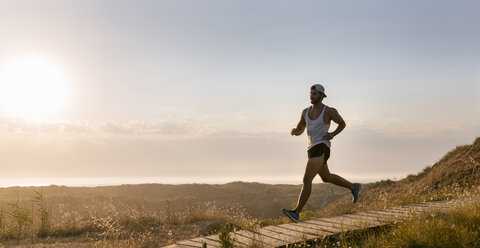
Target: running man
x=317 y=119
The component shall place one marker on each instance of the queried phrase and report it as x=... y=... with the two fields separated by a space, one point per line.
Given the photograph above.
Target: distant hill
x=455 y=174
x=259 y=200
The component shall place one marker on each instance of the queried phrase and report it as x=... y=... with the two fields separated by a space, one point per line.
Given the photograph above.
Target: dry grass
x=106 y=224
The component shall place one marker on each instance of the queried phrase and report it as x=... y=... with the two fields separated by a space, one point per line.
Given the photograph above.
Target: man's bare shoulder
x=331 y=110
x=332 y=114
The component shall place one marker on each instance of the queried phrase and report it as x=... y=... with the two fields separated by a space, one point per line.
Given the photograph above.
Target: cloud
x=211 y=147
x=168 y=128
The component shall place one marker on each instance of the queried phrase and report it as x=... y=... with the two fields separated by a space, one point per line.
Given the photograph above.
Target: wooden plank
x=268 y=237
x=316 y=229
x=241 y=239
x=251 y=239
x=395 y=215
x=293 y=235
x=305 y=233
x=381 y=218
x=367 y=221
x=362 y=221
x=283 y=238
x=397 y=212
x=308 y=229
x=400 y=215
x=284 y=232
x=325 y=226
x=391 y=217
x=381 y=213
x=343 y=222
x=329 y=225
x=414 y=209
x=238 y=241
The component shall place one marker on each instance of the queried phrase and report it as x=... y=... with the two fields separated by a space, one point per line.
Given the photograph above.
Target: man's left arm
x=335 y=117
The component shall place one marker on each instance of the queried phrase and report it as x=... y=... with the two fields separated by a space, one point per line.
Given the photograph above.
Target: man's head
x=317 y=93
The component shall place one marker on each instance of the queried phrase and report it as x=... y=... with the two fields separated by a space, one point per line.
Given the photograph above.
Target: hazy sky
x=207 y=91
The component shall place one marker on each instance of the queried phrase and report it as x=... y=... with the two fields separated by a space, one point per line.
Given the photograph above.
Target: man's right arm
x=300 y=126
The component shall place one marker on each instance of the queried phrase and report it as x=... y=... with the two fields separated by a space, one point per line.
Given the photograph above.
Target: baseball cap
x=318 y=87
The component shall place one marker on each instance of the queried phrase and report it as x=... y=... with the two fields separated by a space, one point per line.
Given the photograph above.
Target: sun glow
x=32 y=88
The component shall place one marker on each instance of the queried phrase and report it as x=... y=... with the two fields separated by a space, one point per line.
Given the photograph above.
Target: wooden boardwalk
x=286 y=234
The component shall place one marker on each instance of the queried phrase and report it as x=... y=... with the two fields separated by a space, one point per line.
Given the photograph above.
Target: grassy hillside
x=455 y=174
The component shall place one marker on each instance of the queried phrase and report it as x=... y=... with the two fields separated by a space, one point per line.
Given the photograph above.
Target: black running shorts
x=319 y=150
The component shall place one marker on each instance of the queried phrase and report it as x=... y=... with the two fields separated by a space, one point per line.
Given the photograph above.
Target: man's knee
x=307 y=181
x=326 y=178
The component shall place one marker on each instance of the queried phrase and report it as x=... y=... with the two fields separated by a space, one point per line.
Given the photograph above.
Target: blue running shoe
x=355 y=192
x=290 y=214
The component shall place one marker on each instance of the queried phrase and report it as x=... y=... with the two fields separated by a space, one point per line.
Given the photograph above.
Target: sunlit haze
x=32 y=88
x=115 y=92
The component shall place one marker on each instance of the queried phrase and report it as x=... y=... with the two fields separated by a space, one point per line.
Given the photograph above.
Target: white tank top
x=316 y=129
